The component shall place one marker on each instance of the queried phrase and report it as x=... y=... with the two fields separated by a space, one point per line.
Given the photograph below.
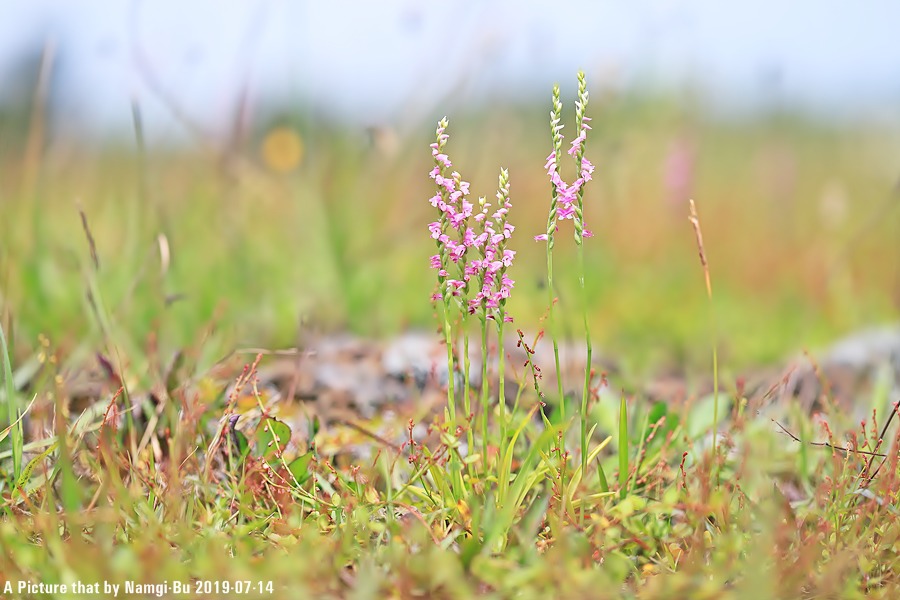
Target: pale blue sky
x=388 y=60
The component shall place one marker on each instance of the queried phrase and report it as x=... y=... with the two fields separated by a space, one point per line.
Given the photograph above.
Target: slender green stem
x=585 y=170
x=715 y=354
x=698 y=232
x=554 y=331
x=467 y=403
x=585 y=392
x=501 y=385
x=715 y=358
x=451 y=375
x=485 y=404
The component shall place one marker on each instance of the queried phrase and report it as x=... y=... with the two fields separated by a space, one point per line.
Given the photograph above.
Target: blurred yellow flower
x=282 y=149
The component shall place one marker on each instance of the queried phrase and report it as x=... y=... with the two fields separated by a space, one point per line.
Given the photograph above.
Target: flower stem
x=694 y=218
x=555 y=334
x=467 y=404
x=485 y=404
x=451 y=375
x=587 y=365
x=501 y=385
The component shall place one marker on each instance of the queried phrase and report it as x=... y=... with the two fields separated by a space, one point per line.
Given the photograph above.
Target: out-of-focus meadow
x=142 y=269
x=297 y=219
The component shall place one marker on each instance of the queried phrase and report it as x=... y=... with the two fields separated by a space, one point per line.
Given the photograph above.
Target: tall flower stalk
x=567 y=202
x=502 y=286
x=457 y=275
x=553 y=167
x=586 y=169
x=495 y=287
x=446 y=250
x=480 y=309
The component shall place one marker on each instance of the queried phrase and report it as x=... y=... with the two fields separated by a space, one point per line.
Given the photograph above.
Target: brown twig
x=827 y=444
x=357 y=427
x=90 y=238
x=884 y=429
x=695 y=222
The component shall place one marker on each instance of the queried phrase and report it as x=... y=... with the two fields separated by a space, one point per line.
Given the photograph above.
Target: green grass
x=169 y=493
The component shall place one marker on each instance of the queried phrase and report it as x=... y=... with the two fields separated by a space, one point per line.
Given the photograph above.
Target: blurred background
x=247 y=170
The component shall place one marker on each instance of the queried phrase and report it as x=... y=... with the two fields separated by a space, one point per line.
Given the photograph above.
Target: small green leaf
x=34 y=462
x=242 y=444
x=314 y=426
x=601 y=474
x=238 y=442
x=618 y=566
x=657 y=412
x=299 y=467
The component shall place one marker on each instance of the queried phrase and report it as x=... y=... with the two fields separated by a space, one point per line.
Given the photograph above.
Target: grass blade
x=12 y=408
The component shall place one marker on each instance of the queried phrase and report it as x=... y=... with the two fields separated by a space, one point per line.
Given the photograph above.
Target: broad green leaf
x=299 y=467
x=657 y=412
x=272 y=437
x=700 y=418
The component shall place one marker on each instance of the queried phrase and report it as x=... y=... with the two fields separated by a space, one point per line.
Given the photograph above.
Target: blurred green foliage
x=797 y=216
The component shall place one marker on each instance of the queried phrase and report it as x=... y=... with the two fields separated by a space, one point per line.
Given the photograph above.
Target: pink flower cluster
x=455 y=237
x=568 y=200
x=567 y=195
x=496 y=258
